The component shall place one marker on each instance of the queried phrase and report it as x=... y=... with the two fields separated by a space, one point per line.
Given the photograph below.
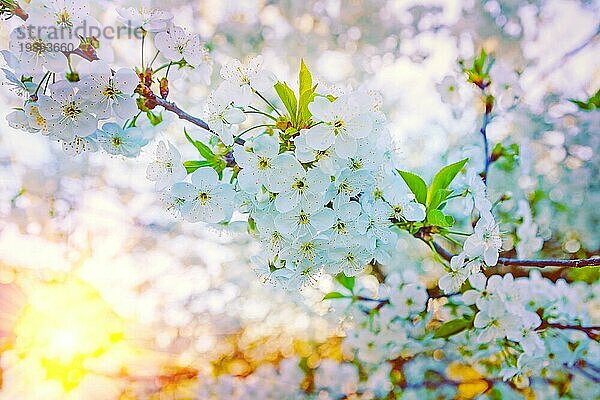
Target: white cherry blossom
x=342 y=122
x=349 y=258
x=495 y=323
x=485 y=241
x=110 y=94
x=350 y=221
x=118 y=141
x=175 y=44
x=206 y=198
x=403 y=205
x=451 y=281
x=244 y=78
x=171 y=200
x=223 y=117
x=63 y=14
x=378 y=228
x=297 y=187
x=80 y=145
x=37 y=50
x=351 y=183
x=448 y=90
x=17 y=85
x=149 y=19
x=409 y=299
x=477 y=189
x=326 y=160
x=257 y=163
x=167 y=169
x=299 y=222
x=67 y=113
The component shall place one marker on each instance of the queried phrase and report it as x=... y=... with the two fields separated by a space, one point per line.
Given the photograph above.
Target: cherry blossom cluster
x=502 y=337
x=516 y=324
x=309 y=170
x=93 y=106
x=315 y=180
x=321 y=196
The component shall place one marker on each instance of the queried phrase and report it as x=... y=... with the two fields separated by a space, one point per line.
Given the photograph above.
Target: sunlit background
x=104 y=296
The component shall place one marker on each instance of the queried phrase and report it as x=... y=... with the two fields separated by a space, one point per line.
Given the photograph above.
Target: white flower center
x=110 y=91
x=64 y=19
x=204 y=198
x=263 y=163
x=299 y=185
x=71 y=110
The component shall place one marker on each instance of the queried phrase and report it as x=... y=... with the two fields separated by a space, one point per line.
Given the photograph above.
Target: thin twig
x=172 y=107
x=590 y=331
x=576 y=263
x=486 y=146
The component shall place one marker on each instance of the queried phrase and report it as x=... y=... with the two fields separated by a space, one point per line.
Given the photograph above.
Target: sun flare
x=66 y=329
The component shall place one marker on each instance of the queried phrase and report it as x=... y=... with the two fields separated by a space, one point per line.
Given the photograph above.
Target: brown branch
x=172 y=107
x=577 y=263
x=590 y=331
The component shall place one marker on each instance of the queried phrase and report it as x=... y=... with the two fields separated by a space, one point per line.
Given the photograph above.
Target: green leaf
x=438 y=218
x=305 y=78
x=587 y=274
x=590 y=104
x=505 y=157
x=307 y=94
x=287 y=96
x=444 y=177
x=480 y=61
x=191 y=166
x=346 y=281
x=203 y=149
x=219 y=166
x=334 y=295
x=416 y=185
x=304 y=114
x=438 y=198
x=154 y=119
x=452 y=328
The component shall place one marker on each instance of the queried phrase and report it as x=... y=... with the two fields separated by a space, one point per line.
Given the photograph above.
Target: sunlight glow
x=64 y=327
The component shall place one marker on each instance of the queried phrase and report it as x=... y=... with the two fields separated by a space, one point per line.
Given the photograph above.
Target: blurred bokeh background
x=104 y=295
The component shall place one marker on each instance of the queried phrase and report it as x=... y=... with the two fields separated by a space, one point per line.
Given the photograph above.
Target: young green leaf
x=203 y=149
x=307 y=94
x=438 y=198
x=438 y=218
x=478 y=61
x=416 y=184
x=305 y=78
x=505 y=157
x=444 y=178
x=452 y=328
x=306 y=97
x=154 y=119
x=287 y=96
x=334 y=295
x=191 y=166
x=591 y=104
x=346 y=281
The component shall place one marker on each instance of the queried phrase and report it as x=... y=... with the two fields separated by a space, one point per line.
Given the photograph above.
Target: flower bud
x=164 y=88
